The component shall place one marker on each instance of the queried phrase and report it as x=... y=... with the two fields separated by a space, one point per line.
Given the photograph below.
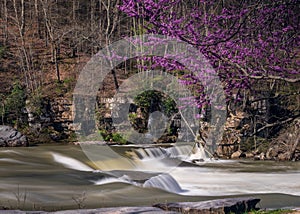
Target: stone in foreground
x=118 y=210
x=10 y=137
x=113 y=210
x=220 y=206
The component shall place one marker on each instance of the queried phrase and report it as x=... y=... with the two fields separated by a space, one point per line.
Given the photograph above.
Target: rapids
x=52 y=177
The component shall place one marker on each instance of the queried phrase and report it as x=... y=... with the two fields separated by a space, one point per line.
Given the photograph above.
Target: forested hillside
x=45 y=44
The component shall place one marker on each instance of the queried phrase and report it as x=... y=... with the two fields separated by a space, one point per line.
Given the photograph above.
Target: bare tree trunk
x=74 y=23
x=111 y=23
x=115 y=79
x=25 y=57
x=37 y=18
x=5 y=22
x=93 y=24
x=56 y=62
x=74 y=7
x=55 y=46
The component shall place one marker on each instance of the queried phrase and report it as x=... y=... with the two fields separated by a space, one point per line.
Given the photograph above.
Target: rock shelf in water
x=228 y=205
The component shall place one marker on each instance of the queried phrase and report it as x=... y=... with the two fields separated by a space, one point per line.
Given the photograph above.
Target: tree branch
x=245 y=72
x=275 y=124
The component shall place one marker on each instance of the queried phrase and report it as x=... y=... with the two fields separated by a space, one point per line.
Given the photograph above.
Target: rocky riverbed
x=229 y=205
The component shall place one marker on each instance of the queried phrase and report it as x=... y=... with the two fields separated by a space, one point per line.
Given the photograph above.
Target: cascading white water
x=164 y=182
x=196 y=181
x=181 y=152
x=70 y=162
x=152 y=153
x=123 y=179
x=198 y=153
x=127 y=181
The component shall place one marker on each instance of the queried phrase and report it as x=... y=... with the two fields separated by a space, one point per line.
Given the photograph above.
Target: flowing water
x=64 y=177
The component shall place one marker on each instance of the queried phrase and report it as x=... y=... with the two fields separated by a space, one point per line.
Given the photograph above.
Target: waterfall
x=181 y=152
x=150 y=153
x=164 y=182
x=178 y=151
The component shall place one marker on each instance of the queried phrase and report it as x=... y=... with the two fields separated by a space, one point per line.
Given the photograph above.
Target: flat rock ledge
x=113 y=210
x=220 y=206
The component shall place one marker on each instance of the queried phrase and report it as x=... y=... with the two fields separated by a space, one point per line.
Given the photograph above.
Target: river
x=55 y=177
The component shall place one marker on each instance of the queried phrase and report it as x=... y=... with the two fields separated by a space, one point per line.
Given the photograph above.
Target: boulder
x=236 y=155
x=272 y=152
x=228 y=205
x=249 y=155
x=10 y=137
x=261 y=156
x=256 y=158
x=284 y=156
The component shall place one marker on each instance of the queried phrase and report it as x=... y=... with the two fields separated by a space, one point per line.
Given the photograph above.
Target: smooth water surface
x=62 y=177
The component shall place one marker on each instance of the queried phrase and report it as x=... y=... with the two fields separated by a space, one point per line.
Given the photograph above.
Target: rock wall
x=233 y=131
x=62 y=110
x=286 y=146
x=50 y=120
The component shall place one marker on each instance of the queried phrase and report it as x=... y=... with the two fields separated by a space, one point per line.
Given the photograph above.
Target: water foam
x=71 y=163
x=164 y=182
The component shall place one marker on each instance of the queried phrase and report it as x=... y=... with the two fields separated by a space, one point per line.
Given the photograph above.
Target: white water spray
x=71 y=163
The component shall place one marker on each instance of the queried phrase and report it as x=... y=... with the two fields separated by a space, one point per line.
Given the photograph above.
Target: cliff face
x=51 y=121
x=287 y=145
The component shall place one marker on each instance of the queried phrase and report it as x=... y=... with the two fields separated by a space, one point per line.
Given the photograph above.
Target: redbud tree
x=245 y=41
x=253 y=45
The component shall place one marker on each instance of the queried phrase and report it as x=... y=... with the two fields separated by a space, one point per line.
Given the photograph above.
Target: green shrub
x=116 y=137
x=2 y=51
x=14 y=104
x=112 y=137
